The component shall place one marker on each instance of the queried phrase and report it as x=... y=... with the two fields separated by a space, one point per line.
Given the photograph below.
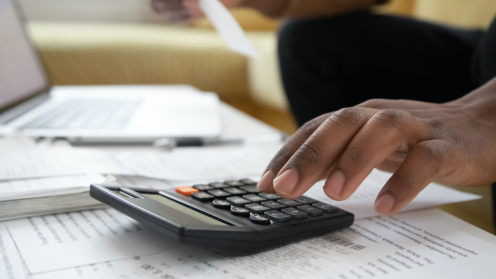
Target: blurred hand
x=420 y=142
x=182 y=11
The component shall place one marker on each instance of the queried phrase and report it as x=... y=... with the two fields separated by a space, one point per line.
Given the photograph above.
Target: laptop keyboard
x=86 y=114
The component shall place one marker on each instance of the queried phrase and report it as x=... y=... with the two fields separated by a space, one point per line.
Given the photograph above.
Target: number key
x=312 y=211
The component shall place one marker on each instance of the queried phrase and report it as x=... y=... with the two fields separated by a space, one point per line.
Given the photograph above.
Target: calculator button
x=305 y=200
x=203 y=187
x=312 y=211
x=254 y=198
x=234 y=183
x=219 y=193
x=238 y=201
x=288 y=202
x=273 y=204
x=186 y=190
x=218 y=185
x=239 y=211
x=277 y=216
x=247 y=181
x=295 y=213
x=222 y=204
x=250 y=189
x=202 y=196
x=269 y=196
x=256 y=208
x=259 y=219
x=326 y=207
x=234 y=191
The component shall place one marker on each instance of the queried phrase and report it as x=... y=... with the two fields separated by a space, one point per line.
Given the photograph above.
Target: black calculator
x=228 y=216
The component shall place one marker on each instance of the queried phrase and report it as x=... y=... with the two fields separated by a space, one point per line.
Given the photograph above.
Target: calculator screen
x=197 y=215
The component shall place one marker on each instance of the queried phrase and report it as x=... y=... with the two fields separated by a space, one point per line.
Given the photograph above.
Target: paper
x=47 y=162
x=42 y=187
x=71 y=239
x=361 y=203
x=205 y=163
x=409 y=245
x=11 y=263
x=228 y=28
x=15 y=143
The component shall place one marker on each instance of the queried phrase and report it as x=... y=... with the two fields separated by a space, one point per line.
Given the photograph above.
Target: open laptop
x=92 y=113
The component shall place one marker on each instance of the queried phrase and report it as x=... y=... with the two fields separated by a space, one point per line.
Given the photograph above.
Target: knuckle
x=431 y=155
x=348 y=116
x=309 y=154
x=374 y=103
x=309 y=127
x=391 y=118
x=280 y=159
x=353 y=154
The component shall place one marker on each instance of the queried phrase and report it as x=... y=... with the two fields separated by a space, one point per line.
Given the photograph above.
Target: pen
x=171 y=143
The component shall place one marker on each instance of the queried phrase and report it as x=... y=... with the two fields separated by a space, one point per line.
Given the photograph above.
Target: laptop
x=126 y=113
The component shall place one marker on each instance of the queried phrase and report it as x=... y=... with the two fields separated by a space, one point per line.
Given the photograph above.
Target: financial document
x=409 y=245
x=361 y=203
x=49 y=162
x=43 y=187
x=66 y=240
x=206 y=163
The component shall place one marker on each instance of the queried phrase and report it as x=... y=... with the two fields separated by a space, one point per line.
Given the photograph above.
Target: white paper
x=42 y=187
x=188 y=164
x=11 y=263
x=361 y=203
x=228 y=28
x=409 y=245
x=15 y=143
x=71 y=239
x=47 y=162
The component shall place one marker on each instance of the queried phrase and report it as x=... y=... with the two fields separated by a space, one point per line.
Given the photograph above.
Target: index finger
x=288 y=149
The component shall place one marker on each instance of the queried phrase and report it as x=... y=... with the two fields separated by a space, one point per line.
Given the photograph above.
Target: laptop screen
x=21 y=73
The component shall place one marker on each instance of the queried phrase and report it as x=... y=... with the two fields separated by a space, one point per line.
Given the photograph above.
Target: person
x=374 y=91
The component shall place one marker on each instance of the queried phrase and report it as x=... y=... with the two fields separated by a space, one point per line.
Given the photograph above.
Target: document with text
x=361 y=203
x=411 y=245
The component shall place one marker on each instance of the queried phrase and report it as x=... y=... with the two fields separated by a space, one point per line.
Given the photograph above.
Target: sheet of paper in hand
x=228 y=28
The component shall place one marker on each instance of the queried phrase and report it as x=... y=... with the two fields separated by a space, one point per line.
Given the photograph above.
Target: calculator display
x=197 y=215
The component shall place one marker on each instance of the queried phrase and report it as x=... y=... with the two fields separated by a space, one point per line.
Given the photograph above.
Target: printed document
x=361 y=203
x=410 y=245
x=43 y=187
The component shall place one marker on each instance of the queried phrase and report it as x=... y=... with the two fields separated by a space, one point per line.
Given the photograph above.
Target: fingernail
x=286 y=182
x=335 y=183
x=266 y=180
x=384 y=204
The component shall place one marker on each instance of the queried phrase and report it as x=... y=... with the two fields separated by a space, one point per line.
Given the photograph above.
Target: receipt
x=228 y=28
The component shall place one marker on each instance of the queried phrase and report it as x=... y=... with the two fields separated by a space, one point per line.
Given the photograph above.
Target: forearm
x=307 y=8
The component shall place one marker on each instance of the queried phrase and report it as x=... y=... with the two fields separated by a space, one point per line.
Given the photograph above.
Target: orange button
x=186 y=190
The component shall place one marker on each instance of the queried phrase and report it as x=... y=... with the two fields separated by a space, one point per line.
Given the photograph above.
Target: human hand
x=420 y=142
x=181 y=11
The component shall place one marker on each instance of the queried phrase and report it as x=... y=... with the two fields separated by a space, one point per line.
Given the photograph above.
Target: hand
x=420 y=142
x=181 y=11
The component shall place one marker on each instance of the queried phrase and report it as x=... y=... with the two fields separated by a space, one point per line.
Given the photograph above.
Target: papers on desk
x=42 y=187
x=361 y=203
x=186 y=164
x=409 y=245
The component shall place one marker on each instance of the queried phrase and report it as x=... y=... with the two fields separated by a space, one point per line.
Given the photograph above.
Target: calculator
x=229 y=216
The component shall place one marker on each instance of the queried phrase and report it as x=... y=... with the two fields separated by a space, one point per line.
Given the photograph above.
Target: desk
x=55 y=231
